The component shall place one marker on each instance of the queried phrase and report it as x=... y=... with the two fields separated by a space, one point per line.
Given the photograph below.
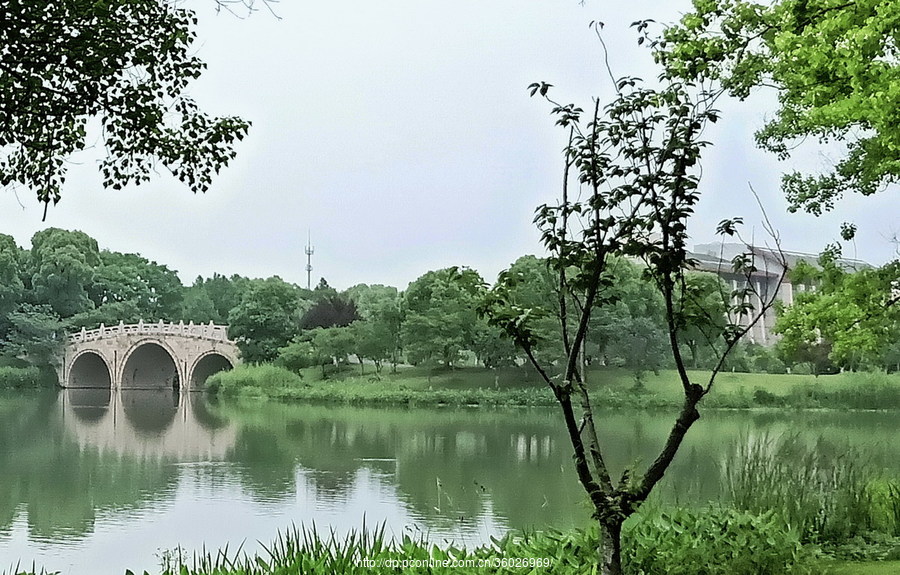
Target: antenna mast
x=309 y=252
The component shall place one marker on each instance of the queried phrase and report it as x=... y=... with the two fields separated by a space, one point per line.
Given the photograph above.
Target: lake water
x=97 y=482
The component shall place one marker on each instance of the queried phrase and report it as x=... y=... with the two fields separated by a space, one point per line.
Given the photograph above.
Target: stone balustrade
x=208 y=331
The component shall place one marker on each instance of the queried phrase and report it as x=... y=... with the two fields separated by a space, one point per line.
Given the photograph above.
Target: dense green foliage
x=834 y=65
x=766 y=547
x=852 y=320
x=126 y=64
x=520 y=386
x=66 y=282
x=253 y=381
x=265 y=319
x=713 y=542
x=441 y=315
x=19 y=377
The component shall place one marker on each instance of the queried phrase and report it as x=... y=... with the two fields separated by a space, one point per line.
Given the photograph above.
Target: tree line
x=65 y=282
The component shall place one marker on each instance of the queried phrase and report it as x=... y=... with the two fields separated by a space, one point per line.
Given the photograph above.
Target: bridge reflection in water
x=146 y=423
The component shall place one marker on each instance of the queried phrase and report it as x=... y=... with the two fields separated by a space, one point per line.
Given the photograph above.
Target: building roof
x=717 y=257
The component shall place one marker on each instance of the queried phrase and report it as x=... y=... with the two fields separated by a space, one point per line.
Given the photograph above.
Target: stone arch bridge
x=147 y=356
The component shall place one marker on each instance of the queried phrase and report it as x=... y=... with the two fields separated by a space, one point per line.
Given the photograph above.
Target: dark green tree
x=337 y=343
x=12 y=288
x=36 y=335
x=851 y=319
x=441 y=315
x=492 y=347
x=381 y=309
x=225 y=292
x=108 y=314
x=627 y=327
x=300 y=353
x=154 y=289
x=703 y=313
x=330 y=310
x=532 y=284
x=63 y=265
x=197 y=306
x=266 y=319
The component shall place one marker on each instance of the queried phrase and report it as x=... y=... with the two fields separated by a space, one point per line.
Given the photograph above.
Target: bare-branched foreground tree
x=635 y=165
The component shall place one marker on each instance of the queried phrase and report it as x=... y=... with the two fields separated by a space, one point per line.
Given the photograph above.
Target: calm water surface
x=97 y=482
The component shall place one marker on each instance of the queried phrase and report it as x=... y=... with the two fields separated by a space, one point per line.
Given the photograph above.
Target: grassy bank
x=707 y=545
x=609 y=388
x=709 y=542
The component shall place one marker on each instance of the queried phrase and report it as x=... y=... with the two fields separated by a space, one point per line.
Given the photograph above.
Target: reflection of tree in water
x=150 y=411
x=205 y=413
x=462 y=464
x=456 y=465
x=266 y=463
x=62 y=486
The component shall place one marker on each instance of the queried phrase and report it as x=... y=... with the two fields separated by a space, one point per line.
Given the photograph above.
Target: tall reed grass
x=827 y=492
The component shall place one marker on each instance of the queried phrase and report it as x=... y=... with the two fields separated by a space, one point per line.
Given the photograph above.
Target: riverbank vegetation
x=433 y=323
x=770 y=548
x=610 y=387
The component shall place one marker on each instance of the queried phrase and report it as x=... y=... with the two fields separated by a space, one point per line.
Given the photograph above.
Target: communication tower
x=309 y=252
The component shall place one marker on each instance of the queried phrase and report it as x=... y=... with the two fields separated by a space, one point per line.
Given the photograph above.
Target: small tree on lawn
x=636 y=164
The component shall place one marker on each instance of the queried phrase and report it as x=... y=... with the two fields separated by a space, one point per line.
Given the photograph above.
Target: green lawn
x=611 y=386
x=872 y=568
x=665 y=382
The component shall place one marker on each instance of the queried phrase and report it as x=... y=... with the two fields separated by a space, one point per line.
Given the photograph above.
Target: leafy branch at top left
x=125 y=63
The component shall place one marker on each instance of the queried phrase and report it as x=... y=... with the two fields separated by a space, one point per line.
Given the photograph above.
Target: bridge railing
x=202 y=330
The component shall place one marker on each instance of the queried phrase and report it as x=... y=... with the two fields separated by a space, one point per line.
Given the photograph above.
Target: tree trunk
x=611 y=548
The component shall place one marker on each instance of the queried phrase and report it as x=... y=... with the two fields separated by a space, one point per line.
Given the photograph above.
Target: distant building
x=769 y=278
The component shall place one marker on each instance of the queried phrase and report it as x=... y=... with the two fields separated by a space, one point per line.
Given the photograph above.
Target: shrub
x=298 y=355
x=18 y=377
x=804 y=368
x=713 y=542
x=762 y=359
x=767 y=398
x=874 y=390
x=254 y=381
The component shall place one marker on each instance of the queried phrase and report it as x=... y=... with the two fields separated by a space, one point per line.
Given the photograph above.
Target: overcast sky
x=400 y=134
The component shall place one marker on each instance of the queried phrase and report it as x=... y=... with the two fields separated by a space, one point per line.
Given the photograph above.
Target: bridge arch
x=207 y=364
x=150 y=363
x=89 y=369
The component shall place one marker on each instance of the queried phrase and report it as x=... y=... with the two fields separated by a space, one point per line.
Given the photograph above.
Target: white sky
x=400 y=133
